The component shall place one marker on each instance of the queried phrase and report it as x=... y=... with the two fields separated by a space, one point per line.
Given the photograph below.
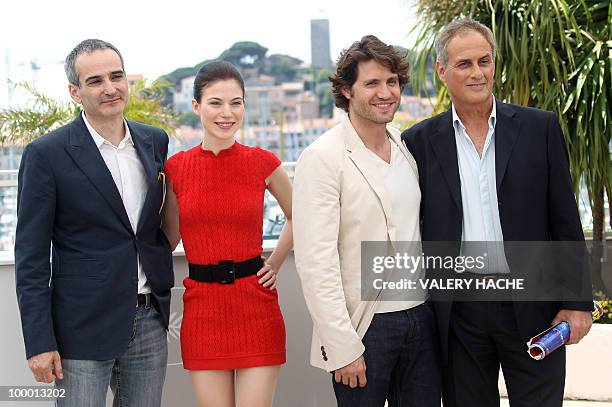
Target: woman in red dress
x=232 y=334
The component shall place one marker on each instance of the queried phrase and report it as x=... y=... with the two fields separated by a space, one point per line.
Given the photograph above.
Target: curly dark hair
x=368 y=48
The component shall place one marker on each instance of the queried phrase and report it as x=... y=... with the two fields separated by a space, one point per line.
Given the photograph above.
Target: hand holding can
x=554 y=337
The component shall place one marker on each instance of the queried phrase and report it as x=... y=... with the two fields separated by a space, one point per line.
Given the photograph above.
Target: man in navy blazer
x=90 y=195
x=491 y=171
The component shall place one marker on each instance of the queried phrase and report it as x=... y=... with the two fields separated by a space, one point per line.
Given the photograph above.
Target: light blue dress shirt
x=479 y=196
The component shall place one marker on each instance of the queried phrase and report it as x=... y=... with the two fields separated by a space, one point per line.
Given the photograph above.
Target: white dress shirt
x=128 y=173
x=481 y=221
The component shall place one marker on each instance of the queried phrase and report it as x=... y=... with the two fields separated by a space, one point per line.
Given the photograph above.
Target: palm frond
x=556 y=55
x=44 y=113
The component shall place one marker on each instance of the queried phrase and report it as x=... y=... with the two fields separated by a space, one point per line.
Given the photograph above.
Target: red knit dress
x=220 y=198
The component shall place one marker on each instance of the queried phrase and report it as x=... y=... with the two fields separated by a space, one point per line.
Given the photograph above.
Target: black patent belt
x=226 y=271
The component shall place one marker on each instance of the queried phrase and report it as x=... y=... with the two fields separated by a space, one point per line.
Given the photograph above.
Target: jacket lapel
x=398 y=141
x=506 y=133
x=144 y=147
x=445 y=149
x=362 y=159
x=87 y=157
x=143 y=143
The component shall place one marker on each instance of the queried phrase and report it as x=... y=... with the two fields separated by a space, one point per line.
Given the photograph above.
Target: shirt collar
x=99 y=140
x=492 y=117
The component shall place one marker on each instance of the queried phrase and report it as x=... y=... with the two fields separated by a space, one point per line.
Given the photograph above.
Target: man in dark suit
x=491 y=171
x=90 y=193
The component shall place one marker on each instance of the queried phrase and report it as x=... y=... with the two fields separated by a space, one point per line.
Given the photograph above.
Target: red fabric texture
x=220 y=199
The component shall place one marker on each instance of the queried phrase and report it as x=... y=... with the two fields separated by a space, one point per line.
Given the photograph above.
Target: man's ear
x=74 y=93
x=346 y=92
x=441 y=71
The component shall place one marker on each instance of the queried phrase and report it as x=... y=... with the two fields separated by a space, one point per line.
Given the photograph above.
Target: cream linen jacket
x=339 y=200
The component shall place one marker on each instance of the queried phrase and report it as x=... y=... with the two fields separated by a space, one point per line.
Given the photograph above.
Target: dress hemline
x=239 y=362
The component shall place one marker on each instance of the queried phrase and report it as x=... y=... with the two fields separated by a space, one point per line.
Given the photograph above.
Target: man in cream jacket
x=358 y=183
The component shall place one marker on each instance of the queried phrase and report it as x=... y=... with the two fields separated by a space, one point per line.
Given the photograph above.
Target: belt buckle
x=147 y=303
x=229 y=270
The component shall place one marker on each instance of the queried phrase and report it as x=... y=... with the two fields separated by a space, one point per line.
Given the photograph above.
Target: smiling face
x=375 y=95
x=469 y=71
x=103 y=87
x=221 y=109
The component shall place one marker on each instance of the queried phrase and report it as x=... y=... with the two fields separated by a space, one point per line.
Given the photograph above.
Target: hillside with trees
x=252 y=60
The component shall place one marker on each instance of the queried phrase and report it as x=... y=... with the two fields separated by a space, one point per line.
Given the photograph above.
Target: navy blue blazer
x=534 y=191
x=83 y=303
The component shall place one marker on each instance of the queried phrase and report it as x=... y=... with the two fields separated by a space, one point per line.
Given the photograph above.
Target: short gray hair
x=86 y=47
x=457 y=27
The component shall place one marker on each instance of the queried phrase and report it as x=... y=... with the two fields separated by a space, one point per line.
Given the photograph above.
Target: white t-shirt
x=402 y=186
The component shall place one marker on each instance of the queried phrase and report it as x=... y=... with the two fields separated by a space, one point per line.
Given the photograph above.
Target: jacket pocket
x=81 y=269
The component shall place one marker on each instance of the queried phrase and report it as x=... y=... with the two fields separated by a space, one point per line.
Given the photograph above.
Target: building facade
x=320 y=44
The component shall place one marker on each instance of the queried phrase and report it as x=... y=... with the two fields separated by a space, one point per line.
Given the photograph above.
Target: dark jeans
x=485 y=335
x=402 y=362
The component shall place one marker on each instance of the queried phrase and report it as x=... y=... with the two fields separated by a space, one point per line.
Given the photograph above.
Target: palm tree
x=552 y=54
x=18 y=126
x=43 y=115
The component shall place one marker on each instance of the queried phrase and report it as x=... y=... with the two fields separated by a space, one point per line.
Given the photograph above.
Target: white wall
x=300 y=385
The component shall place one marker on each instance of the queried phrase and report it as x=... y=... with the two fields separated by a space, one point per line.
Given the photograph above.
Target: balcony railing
x=8 y=209
x=274 y=218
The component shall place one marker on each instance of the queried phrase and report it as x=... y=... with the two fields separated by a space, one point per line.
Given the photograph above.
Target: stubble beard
x=367 y=112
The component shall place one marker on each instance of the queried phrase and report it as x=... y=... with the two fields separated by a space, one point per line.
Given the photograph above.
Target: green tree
x=555 y=55
x=245 y=54
x=177 y=75
x=44 y=113
x=283 y=68
x=175 y=78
